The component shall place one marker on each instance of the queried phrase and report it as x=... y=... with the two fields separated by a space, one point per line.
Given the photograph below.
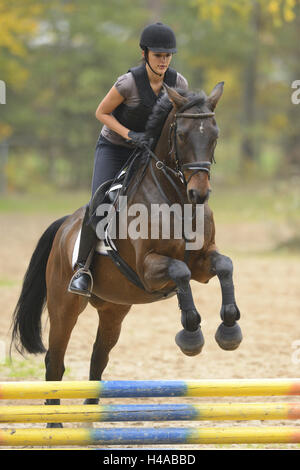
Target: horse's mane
x=162 y=109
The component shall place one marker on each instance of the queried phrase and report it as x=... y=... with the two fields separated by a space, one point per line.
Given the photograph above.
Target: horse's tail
x=26 y=327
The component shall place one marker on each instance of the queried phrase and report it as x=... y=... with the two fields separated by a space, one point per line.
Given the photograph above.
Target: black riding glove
x=138 y=139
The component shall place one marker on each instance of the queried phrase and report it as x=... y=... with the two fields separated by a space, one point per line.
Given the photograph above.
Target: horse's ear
x=175 y=97
x=215 y=95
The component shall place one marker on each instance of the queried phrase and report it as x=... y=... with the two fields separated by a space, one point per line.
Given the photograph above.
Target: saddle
x=108 y=193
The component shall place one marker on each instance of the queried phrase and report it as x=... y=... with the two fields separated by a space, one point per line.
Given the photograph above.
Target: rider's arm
x=103 y=113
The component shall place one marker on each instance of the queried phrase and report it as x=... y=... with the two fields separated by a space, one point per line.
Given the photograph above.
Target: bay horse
x=176 y=170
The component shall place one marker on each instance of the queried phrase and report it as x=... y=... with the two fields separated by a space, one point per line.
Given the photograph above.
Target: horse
x=177 y=170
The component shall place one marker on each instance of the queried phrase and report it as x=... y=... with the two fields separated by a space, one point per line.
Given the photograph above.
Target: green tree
x=247 y=28
x=81 y=49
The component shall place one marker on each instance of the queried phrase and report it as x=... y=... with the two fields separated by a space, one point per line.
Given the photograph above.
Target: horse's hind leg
x=109 y=329
x=63 y=314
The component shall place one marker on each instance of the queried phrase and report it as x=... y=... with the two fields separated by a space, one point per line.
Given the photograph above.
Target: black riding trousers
x=109 y=160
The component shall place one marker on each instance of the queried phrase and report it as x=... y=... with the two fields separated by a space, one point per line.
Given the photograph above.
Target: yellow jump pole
x=159 y=412
x=155 y=388
x=142 y=436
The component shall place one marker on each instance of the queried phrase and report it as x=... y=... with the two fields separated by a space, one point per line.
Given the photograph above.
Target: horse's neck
x=160 y=183
x=149 y=190
x=162 y=147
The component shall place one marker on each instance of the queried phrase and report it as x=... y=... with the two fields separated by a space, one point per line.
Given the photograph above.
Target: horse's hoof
x=190 y=342
x=54 y=425
x=229 y=337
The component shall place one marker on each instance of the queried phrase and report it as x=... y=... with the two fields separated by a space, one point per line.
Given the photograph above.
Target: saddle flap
x=101 y=248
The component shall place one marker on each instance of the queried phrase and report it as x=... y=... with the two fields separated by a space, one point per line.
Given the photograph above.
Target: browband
x=194 y=116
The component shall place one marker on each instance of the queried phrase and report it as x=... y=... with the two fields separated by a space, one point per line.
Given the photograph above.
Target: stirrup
x=82 y=270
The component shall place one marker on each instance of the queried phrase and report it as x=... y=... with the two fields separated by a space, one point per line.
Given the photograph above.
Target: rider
x=124 y=112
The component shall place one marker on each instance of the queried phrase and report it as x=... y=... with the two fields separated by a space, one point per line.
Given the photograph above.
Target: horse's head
x=194 y=133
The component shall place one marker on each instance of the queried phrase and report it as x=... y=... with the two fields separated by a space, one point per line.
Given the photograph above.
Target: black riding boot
x=82 y=280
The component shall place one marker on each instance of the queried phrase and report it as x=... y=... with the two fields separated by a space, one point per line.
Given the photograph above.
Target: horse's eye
x=181 y=136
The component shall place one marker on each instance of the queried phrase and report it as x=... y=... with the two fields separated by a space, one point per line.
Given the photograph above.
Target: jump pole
x=148 y=436
x=153 y=388
x=159 y=412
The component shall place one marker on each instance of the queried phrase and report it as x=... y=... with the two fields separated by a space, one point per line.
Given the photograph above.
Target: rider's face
x=159 y=61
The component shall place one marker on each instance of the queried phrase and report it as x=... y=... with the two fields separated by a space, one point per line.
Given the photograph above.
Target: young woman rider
x=124 y=112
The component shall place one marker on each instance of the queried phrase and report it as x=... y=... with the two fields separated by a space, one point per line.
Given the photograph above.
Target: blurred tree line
x=59 y=58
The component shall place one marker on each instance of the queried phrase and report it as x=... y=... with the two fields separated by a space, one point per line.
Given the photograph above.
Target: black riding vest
x=135 y=117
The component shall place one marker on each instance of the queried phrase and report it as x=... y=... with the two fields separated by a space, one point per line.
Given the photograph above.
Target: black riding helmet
x=158 y=37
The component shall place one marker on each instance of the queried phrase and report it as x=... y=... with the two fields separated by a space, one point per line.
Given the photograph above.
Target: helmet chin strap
x=147 y=61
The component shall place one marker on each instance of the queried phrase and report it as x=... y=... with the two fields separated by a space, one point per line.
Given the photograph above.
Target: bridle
x=196 y=166
x=181 y=167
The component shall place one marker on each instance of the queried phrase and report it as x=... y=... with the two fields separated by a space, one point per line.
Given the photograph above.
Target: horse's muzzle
x=195 y=197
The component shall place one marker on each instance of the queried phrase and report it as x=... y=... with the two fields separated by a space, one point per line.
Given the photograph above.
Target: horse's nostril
x=196 y=198
x=192 y=195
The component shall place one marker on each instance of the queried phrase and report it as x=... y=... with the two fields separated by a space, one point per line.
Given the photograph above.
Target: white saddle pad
x=101 y=248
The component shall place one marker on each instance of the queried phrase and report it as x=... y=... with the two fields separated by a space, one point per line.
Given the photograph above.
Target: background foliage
x=59 y=58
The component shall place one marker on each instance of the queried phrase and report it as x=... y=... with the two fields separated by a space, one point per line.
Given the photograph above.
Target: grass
x=24 y=369
x=49 y=202
x=253 y=202
x=238 y=201
x=267 y=201
x=8 y=283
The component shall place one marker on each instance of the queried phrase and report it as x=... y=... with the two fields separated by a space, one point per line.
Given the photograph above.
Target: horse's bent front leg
x=228 y=335
x=159 y=271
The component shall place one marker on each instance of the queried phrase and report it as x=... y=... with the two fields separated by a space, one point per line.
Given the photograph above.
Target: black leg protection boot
x=82 y=281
